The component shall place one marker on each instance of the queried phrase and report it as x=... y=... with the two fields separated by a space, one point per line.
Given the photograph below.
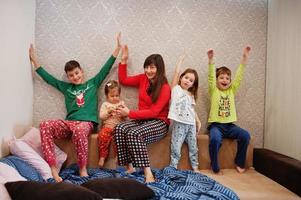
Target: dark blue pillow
x=24 y=168
x=32 y=190
x=120 y=188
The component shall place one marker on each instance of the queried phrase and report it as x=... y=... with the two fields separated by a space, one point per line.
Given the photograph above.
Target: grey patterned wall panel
x=85 y=31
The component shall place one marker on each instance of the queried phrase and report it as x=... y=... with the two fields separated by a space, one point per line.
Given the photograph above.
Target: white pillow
x=33 y=138
x=3 y=193
x=9 y=174
x=24 y=151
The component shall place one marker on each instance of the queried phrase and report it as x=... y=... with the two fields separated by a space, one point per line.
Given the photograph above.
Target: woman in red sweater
x=149 y=123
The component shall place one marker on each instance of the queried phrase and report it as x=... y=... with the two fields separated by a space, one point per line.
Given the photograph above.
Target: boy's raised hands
x=246 y=51
x=210 y=54
x=245 y=55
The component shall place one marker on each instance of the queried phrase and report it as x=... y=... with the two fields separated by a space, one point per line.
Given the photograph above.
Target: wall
x=17 y=19
x=283 y=88
x=85 y=31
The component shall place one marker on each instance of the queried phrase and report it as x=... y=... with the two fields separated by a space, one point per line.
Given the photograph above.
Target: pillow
x=23 y=168
x=121 y=188
x=24 y=151
x=3 y=192
x=33 y=138
x=31 y=190
x=8 y=173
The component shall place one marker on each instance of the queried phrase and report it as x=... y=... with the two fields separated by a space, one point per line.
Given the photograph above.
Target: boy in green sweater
x=81 y=104
x=223 y=113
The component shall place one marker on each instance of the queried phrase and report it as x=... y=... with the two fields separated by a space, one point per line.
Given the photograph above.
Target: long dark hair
x=160 y=78
x=194 y=89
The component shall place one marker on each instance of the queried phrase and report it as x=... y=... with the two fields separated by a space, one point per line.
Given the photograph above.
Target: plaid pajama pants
x=59 y=129
x=132 y=138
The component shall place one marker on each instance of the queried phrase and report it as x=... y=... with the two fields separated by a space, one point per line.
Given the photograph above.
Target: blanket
x=170 y=183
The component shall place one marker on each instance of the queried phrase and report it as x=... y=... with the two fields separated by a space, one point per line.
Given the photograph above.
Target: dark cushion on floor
x=31 y=190
x=280 y=168
x=121 y=188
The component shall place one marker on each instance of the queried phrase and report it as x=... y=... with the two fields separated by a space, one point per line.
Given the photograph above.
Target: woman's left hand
x=123 y=111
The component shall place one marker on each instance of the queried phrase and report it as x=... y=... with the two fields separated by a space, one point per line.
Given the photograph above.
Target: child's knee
x=245 y=136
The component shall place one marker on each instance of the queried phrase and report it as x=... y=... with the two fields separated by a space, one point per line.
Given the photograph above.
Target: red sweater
x=146 y=108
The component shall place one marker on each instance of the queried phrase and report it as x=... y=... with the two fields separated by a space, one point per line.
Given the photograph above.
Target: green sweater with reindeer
x=80 y=100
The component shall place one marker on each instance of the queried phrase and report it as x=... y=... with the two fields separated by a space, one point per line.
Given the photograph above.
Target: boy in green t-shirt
x=223 y=113
x=81 y=104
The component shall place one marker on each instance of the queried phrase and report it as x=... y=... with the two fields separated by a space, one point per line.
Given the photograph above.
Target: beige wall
x=283 y=89
x=17 y=19
x=85 y=31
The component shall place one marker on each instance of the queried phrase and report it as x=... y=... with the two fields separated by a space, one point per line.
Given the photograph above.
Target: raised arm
x=245 y=55
x=118 y=45
x=33 y=57
x=210 y=54
x=211 y=71
x=125 y=54
x=176 y=75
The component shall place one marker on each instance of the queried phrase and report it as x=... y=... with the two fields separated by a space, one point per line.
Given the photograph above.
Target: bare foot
x=219 y=173
x=196 y=170
x=240 y=170
x=150 y=179
x=83 y=171
x=101 y=161
x=55 y=174
x=148 y=175
x=130 y=169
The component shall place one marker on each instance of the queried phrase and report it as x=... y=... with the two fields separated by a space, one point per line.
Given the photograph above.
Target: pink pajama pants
x=59 y=129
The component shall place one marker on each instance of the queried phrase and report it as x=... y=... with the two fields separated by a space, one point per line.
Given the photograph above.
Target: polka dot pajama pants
x=104 y=140
x=59 y=129
x=132 y=138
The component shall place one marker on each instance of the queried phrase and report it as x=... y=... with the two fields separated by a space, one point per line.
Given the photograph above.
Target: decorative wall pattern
x=85 y=31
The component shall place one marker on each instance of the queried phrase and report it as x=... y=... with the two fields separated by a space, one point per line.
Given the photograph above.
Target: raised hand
x=125 y=54
x=118 y=45
x=118 y=39
x=245 y=55
x=180 y=61
x=176 y=75
x=210 y=54
x=32 y=57
x=246 y=51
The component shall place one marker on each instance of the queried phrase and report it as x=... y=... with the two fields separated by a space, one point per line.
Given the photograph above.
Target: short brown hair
x=223 y=70
x=111 y=85
x=71 y=65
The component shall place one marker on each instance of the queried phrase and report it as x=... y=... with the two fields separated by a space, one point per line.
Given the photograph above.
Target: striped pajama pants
x=132 y=138
x=59 y=129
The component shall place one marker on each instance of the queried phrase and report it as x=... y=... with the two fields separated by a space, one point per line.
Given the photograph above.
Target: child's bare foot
x=83 y=171
x=148 y=175
x=150 y=179
x=55 y=174
x=240 y=170
x=130 y=169
x=196 y=170
x=116 y=160
x=101 y=161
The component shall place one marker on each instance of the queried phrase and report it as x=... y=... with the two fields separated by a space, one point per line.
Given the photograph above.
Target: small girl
x=110 y=118
x=186 y=123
